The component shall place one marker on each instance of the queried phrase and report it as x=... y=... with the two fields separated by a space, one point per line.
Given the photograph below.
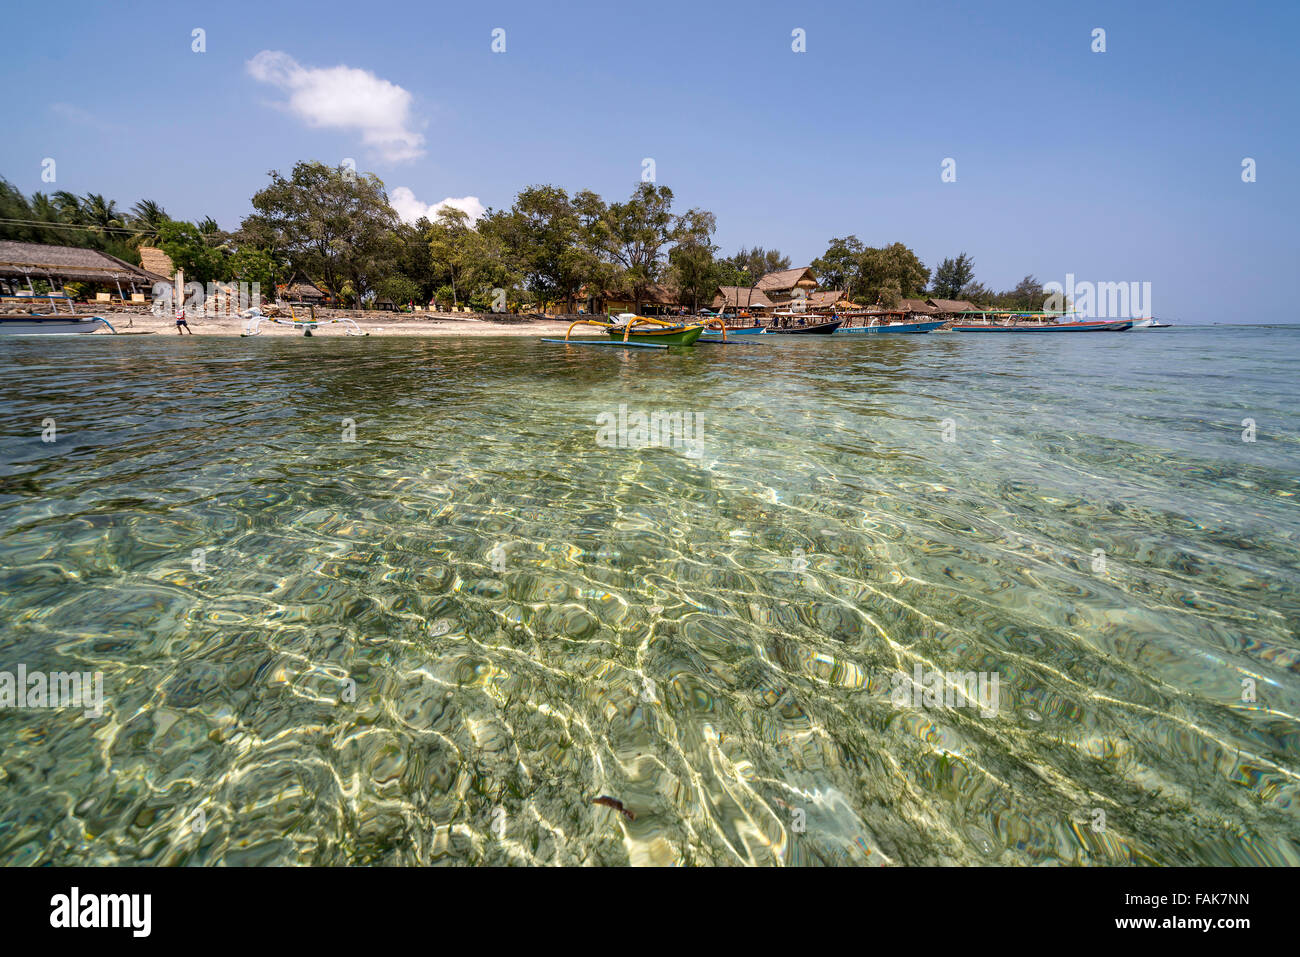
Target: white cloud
x=342 y=97
x=410 y=209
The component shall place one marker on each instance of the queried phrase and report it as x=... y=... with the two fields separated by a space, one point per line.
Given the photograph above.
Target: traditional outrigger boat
x=755 y=330
x=644 y=331
x=784 y=324
x=876 y=323
x=255 y=320
x=1119 y=325
x=46 y=325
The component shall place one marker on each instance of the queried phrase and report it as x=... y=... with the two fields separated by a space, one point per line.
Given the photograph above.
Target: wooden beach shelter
x=738 y=298
x=952 y=307
x=21 y=263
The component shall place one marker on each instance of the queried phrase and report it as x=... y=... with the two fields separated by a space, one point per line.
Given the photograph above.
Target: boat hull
x=745 y=331
x=49 y=325
x=675 y=336
x=820 y=329
x=1117 y=326
x=897 y=327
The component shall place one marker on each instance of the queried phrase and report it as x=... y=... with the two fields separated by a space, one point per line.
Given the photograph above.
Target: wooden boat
x=646 y=330
x=875 y=327
x=823 y=328
x=51 y=325
x=1118 y=325
x=756 y=330
x=1160 y=325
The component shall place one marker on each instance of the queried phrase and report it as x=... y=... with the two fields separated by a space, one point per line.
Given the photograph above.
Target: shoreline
x=396 y=325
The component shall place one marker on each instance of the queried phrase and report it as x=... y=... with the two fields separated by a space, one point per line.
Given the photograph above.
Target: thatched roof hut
x=916 y=306
x=654 y=296
x=827 y=299
x=782 y=284
x=304 y=292
x=59 y=264
x=154 y=260
x=742 y=297
x=951 y=307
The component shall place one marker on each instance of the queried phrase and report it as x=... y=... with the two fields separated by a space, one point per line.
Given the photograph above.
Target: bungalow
x=20 y=263
x=736 y=298
x=952 y=307
x=656 y=299
x=302 y=293
x=828 y=300
x=916 y=307
x=779 y=287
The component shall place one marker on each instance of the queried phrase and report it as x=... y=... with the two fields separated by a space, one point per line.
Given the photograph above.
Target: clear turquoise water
x=532 y=620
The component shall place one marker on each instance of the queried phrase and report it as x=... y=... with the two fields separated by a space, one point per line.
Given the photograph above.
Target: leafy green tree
x=893 y=271
x=691 y=260
x=15 y=212
x=840 y=266
x=188 y=250
x=976 y=292
x=334 y=224
x=401 y=289
x=760 y=261
x=952 y=276
x=638 y=232
x=251 y=265
x=547 y=242
x=458 y=251
x=1028 y=295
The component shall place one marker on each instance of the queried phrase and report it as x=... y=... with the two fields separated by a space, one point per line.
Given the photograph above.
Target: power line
x=54 y=225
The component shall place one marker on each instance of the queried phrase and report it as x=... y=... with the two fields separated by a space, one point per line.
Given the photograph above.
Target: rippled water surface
x=441 y=641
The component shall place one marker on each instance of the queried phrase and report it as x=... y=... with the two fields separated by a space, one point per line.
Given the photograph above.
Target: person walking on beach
x=182 y=326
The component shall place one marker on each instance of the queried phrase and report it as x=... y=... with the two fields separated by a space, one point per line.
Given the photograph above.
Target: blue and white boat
x=876 y=327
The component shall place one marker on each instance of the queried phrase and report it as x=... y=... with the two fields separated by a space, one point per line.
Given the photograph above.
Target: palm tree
x=101 y=212
x=147 y=216
x=69 y=207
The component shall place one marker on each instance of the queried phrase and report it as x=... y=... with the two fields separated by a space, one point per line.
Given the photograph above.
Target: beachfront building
x=919 y=309
x=656 y=300
x=782 y=286
x=23 y=264
x=828 y=300
x=302 y=293
x=739 y=299
x=951 y=308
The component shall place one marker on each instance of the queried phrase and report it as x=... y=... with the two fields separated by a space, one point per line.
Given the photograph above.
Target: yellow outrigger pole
x=645 y=320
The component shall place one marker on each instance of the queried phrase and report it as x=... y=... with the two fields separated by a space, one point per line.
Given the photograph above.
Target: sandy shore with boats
x=390 y=324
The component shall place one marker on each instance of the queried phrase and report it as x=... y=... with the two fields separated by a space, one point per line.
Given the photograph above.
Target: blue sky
x=1115 y=166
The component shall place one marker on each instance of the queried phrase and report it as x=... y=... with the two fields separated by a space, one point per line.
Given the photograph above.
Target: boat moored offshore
x=52 y=325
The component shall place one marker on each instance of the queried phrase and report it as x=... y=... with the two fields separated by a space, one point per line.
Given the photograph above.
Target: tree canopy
x=335 y=227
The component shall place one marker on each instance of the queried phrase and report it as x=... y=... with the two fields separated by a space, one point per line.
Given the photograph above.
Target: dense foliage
x=334 y=227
